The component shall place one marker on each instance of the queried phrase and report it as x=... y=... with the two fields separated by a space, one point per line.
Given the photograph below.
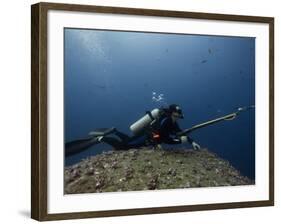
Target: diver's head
x=176 y=112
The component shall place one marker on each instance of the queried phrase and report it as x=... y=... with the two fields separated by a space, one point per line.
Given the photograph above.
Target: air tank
x=140 y=125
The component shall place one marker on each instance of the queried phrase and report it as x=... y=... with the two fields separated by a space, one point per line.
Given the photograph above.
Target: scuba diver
x=156 y=127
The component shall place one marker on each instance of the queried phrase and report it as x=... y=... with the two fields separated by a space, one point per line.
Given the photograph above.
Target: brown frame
x=39 y=110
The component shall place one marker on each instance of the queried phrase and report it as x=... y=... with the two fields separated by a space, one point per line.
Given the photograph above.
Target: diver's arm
x=166 y=128
x=176 y=140
x=195 y=145
x=177 y=128
x=185 y=138
x=171 y=141
x=190 y=140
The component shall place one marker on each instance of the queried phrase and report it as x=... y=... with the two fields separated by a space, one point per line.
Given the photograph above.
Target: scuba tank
x=146 y=121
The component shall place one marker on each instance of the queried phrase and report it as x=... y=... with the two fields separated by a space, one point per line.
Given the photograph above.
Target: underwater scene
x=152 y=111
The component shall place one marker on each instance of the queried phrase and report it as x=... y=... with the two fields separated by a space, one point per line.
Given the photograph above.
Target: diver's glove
x=195 y=146
x=183 y=139
x=99 y=139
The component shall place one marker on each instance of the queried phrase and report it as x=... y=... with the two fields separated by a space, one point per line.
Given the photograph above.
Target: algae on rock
x=148 y=169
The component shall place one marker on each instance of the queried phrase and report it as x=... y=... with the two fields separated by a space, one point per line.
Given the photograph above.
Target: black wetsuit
x=167 y=134
x=168 y=131
x=124 y=141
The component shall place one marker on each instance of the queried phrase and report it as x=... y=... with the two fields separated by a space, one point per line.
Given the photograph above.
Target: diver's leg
x=115 y=143
x=122 y=136
x=137 y=141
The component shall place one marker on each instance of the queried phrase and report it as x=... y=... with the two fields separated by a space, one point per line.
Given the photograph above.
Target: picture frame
x=42 y=93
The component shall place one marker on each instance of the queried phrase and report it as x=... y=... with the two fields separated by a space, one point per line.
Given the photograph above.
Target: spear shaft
x=227 y=117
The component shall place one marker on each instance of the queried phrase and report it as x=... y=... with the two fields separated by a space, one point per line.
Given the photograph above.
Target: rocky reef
x=149 y=169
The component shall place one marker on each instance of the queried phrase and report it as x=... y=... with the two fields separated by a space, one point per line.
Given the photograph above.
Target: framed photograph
x=140 y=111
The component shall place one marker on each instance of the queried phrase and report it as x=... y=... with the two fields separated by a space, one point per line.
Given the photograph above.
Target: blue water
x=110 y=77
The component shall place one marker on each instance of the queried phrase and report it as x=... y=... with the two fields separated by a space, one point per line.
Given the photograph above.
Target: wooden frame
x=39 y=106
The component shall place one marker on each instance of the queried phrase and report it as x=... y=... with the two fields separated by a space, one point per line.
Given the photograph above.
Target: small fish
x=210 y=51
x=203 y=61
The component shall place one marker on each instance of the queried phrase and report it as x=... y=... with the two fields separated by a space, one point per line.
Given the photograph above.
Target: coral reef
x=150 y=169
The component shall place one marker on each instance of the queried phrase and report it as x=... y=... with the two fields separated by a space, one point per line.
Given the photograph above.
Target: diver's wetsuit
x=167 y=134
x=168 y=131
x=125 y=141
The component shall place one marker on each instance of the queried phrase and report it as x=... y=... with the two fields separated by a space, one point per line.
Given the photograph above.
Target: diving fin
x=102 y=132
x=77 y=146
